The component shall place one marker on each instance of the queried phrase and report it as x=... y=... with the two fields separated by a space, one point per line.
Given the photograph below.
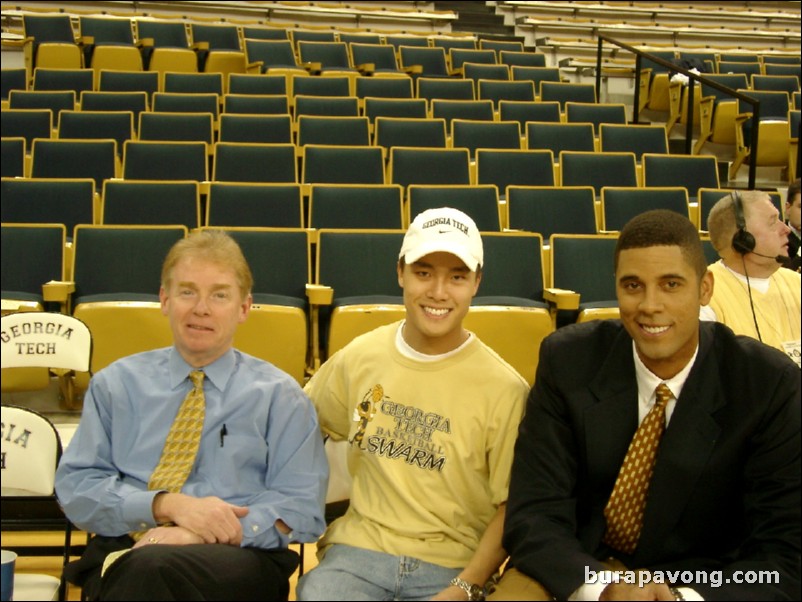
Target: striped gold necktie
x=625 y=509
x=183 y=440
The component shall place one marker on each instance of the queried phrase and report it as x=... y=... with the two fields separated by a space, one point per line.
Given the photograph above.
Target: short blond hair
x=215 y=246
x=721 y=223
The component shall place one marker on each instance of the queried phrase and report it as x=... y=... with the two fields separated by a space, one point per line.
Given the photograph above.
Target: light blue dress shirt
x=261 y=447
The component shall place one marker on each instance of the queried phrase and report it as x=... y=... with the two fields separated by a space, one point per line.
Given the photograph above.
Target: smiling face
x=659 y=294
x=204 y=304
x=438 y=289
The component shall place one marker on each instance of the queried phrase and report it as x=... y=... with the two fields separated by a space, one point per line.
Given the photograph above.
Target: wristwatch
x=474 y=591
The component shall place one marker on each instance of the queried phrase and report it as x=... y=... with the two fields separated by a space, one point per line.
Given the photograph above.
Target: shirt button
x=143 y=525
x=255 y=528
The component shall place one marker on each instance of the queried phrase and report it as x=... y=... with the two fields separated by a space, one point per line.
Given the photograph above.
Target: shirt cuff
x=138 y=510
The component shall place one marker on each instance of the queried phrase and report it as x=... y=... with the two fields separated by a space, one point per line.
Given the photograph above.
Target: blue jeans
x=349 y=573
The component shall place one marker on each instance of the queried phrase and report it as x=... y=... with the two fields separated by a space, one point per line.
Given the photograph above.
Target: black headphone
x=742 y=241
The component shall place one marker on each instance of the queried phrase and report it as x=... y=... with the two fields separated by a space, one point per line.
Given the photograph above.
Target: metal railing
x=690 y=91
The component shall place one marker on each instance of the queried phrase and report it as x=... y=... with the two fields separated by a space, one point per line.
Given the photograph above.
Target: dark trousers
x=192 y=572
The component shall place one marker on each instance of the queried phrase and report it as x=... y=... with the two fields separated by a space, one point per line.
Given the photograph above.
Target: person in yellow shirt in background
x=752 y=295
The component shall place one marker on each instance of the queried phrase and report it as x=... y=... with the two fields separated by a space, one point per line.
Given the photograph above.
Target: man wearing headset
x=753 y=296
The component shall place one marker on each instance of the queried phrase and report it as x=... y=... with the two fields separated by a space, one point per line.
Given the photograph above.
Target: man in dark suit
x=722 y=513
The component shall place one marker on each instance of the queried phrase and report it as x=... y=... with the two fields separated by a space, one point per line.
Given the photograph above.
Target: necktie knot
x=197 y=376
x=664 y=394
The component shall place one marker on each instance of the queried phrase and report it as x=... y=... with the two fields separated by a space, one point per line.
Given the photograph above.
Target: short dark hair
x=663 y=228
x=793 y=190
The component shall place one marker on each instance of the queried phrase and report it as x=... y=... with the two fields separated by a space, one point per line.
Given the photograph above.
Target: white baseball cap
x=445 y=230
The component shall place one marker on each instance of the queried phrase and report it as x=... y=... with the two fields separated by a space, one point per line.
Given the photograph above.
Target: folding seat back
x=485 y=134
x=384 y=87
x=559 y=137
x=584 y=264
x=165 y=160
x=138 y=202
x=265 y=129
x=619 y=205
x=96 y=159
x=477 y=110
x=427 y=62
x=431 y=88
x=69 y=201
x=135 y=102
x=262 y=104
x=177 y=127
x=56 y=101
x=331 y=106
x=595 y=113
x=396 y=131
x=129 y=81
x=598 y=169
x=90 y=125
x=638 y=139
x=341 y=131
x=536 y=75
x=551 y=210
x=325 y=164
x=429 y=166
x=254 y=204
x=32 y=254
x=175 y=102
x=321 y=86
x=76 y=80
x=414 y=108
x=480 y=202
x=12 y=164
x=12 y=79
x=567 y=92
x=249 y=83
x=457 y=57
x=496 y=90
x=375 y=58
x=27 y=123
x=480 y=71
x=522 y=112
x=514 y=58
x=356 y=206
x=249 y=162
x=505 y=167
x=691 y=171
x=193 y=83
x=501 y=45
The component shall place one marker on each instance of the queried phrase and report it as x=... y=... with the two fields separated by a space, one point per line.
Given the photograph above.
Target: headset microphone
x=777 y=258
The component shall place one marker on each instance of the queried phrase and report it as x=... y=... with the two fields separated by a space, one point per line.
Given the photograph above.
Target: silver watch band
x=474 y=591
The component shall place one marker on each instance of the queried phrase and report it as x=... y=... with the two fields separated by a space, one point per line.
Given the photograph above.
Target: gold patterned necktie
x=625 y=509
x=183 y=440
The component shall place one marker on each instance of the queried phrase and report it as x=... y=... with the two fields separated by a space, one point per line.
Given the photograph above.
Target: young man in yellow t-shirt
x=431 y=415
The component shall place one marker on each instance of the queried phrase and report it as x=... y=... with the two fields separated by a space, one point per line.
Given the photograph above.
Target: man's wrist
x=475 y=592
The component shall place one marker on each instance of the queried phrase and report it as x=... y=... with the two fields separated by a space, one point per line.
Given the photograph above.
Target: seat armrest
x=319 y=294
x=561 y=298
x=58 y=290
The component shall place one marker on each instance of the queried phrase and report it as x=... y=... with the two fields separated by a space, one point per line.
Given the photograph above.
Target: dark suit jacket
x=725 y=493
